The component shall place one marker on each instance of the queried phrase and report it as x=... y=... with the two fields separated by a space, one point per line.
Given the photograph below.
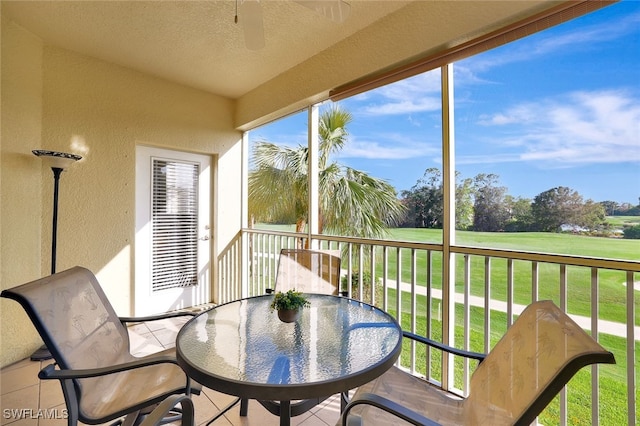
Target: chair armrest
x=49 y=372
x=467 y=354
x=157 y=317
x=390 y=407
x=157 y=416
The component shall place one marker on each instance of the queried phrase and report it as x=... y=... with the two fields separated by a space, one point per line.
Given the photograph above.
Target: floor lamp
x=58 y=162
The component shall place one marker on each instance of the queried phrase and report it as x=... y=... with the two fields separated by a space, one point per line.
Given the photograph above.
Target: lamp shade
x=56 y=159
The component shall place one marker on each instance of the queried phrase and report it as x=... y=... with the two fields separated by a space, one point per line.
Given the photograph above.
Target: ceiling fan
x=250 y=13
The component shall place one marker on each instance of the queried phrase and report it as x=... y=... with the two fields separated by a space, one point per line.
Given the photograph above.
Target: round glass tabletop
x=242 y=348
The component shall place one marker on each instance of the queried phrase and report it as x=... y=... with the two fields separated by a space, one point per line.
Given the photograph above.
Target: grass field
x=621 y=221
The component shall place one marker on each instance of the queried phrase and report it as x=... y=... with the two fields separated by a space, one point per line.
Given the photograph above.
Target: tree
x=351 y=201
x=593 y=216
x=490 y=212
x=464 y=202
x=556 y=207
x=520 y=217
x=610 y=207
x=424 y=200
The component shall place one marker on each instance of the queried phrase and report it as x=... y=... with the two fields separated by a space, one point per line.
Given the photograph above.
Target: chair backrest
x=309 y=271
x=537 y=356
x=74 y=318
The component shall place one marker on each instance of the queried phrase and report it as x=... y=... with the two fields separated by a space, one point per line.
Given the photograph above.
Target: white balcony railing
x=489 y=292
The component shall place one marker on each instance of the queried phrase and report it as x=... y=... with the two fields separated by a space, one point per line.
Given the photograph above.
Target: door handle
x=205 y=238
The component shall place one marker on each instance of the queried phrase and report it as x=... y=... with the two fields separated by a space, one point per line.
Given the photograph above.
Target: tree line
x=483 y=205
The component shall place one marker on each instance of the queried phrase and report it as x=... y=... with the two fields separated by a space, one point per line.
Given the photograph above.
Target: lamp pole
x=57 y=171
x=58 y=162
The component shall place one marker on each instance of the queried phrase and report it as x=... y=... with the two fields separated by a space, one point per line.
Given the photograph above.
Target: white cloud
x=578 y=128
x=417 y=94
x=387 y=147
x=544 y=43
x=404 y=107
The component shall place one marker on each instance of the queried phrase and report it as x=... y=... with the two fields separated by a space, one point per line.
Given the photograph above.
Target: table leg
x=244 y=407
x=285 y=413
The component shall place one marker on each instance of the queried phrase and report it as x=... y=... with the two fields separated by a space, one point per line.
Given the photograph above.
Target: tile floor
x=27 y=401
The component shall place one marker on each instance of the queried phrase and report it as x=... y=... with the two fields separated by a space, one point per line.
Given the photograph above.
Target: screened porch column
x=313 y=220
x=449 y=223
x=244 y=224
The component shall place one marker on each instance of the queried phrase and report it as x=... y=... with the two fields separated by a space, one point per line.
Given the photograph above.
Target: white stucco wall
x=102 y=111
x=21 y=175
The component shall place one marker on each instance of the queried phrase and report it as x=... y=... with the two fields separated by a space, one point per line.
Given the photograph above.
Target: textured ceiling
x=196 y=43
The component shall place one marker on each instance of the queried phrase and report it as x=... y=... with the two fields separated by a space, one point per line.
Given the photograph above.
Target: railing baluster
x=350 y=267
x=398 y=281
x=385 y=275
x=535 y=273
x=413 y=307
x=487 y=304
x=509 y=292
x=360 y=271
x=631 y=353
x=563 y=306
x=595 y=400
x=467 y=321
x=429 y=318
x=372 y=272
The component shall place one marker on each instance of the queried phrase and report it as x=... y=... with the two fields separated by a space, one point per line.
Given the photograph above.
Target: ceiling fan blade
x=250 y=17
x=336 y=10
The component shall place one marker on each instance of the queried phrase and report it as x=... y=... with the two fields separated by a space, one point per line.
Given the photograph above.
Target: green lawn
x=620 y=221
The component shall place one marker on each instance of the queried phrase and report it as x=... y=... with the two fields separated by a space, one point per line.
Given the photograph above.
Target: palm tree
x=351 y=201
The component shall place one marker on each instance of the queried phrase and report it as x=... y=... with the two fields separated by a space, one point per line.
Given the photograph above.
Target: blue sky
x=559 y=108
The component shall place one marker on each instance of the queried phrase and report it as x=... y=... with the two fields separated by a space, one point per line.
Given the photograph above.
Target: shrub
x=632 y=232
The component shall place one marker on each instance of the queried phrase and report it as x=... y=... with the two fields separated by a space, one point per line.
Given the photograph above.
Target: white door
x=173 y=246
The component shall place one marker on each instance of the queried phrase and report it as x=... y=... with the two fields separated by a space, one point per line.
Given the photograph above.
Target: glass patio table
x=241 y=348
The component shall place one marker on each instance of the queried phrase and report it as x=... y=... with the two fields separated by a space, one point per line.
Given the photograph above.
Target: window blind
x=175 y=224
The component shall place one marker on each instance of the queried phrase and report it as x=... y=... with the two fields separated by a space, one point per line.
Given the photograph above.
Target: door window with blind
x=175 y=223
x=172 y=230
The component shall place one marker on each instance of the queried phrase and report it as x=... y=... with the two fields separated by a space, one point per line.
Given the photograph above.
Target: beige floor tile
x=22 y=404
x=138 y=328
x=15 y=365
x=19 y=378
x=24 y=422
x=205 y=409
x=329 y=411
x=144 y=344
x=167 y=338
x=313 y=421
x=170 y=324
x=50 y=394
x=52 y=422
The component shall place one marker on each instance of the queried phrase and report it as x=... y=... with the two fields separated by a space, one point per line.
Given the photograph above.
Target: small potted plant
x=288 y=305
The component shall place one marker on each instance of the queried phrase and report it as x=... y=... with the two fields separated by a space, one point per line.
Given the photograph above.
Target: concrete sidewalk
x=607 y=327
